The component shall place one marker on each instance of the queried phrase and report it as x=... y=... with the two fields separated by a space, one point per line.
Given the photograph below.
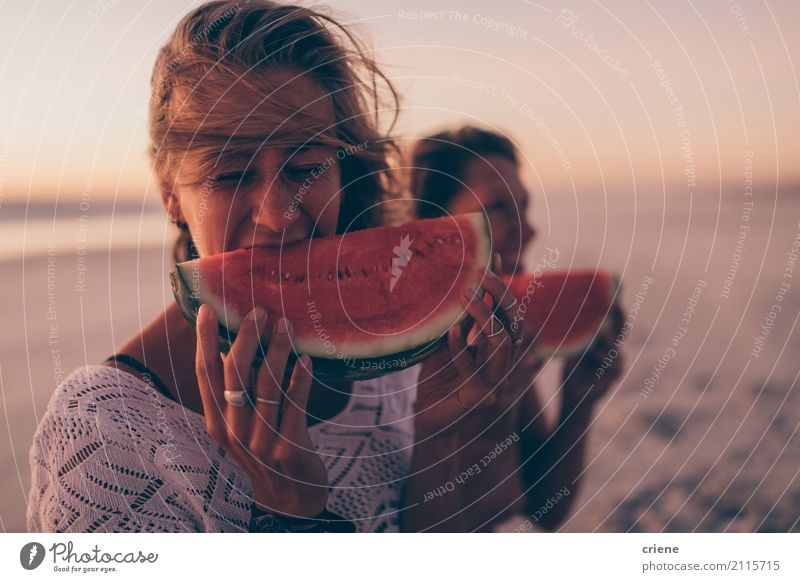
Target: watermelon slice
x=568 y=309
x=362 y=304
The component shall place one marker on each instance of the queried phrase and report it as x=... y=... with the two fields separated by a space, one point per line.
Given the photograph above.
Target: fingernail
x=257 y=314
x=284 y=326
x=204 y=312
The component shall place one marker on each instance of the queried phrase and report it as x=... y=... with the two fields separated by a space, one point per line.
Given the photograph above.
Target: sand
x=705 y=441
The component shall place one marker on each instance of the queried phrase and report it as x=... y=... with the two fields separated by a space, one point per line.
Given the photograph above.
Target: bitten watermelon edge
x=386 y=295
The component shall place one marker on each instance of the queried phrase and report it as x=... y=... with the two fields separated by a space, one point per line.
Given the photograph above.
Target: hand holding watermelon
x=269 y=440
x=463 y=378
x=581 y=383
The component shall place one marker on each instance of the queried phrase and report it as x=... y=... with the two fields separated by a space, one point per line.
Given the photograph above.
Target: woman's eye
x=496 y=208
x=303 y=173
x=505 y=211
x=233 y=178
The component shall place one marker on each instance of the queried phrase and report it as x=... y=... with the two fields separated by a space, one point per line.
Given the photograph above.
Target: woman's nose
x=528 y=232
x=274 y=207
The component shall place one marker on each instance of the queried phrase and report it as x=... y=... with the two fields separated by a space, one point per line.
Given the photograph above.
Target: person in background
x=470 y=169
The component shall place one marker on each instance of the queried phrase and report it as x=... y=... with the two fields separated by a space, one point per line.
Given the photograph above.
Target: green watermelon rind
x=332 y=369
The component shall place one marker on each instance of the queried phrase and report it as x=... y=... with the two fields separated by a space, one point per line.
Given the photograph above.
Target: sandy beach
x=63 y=311
x=700 y=435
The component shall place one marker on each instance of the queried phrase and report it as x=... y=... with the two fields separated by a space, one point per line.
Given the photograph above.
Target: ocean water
x=35 y=229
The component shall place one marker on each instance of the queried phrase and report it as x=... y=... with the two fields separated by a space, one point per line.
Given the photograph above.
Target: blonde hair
x=196 y=118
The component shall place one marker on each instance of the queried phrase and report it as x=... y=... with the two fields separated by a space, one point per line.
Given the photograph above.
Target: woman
x=249 y=100
x=474 y=170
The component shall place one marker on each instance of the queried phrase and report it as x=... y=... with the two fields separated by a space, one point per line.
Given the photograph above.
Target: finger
x=468 y=394
x=604 y=344
x=483 y=316
x=267 y=410
x=602 y=352
x=496 y=351
x=496 y=363
x=294 y=424
x=497 y=263
x=617 y=319
x=474 y=337
x=239 y=370
x=279 y=348
x=208 y=369
x=239 y=361
x=506 y=301
x=500 y=293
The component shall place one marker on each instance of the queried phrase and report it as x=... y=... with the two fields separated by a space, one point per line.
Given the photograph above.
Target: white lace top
x=112 y=454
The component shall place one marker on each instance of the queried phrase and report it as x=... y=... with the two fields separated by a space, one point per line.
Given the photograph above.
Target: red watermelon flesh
x=370 y=293
x=567 y=308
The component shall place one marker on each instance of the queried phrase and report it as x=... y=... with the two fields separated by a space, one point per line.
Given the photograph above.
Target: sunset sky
x=591 y=92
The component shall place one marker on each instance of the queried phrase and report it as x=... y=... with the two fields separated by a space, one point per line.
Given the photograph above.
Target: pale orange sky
x=75 y=88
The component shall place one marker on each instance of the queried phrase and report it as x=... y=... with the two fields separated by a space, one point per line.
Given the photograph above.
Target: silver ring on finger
x=506 y=314
x=237 y=398
x=495 y=323
x=511 y=306
x=268 y=401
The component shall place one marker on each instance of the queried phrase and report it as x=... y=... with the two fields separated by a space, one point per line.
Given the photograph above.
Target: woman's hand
x=270 y=440
x=586 y=376
x=467 y=377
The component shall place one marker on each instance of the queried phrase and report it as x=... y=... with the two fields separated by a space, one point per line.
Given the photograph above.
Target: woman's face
x=274 y=197
x=496 y=189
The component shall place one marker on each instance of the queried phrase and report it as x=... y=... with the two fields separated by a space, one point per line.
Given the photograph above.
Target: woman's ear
x=173 y=206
